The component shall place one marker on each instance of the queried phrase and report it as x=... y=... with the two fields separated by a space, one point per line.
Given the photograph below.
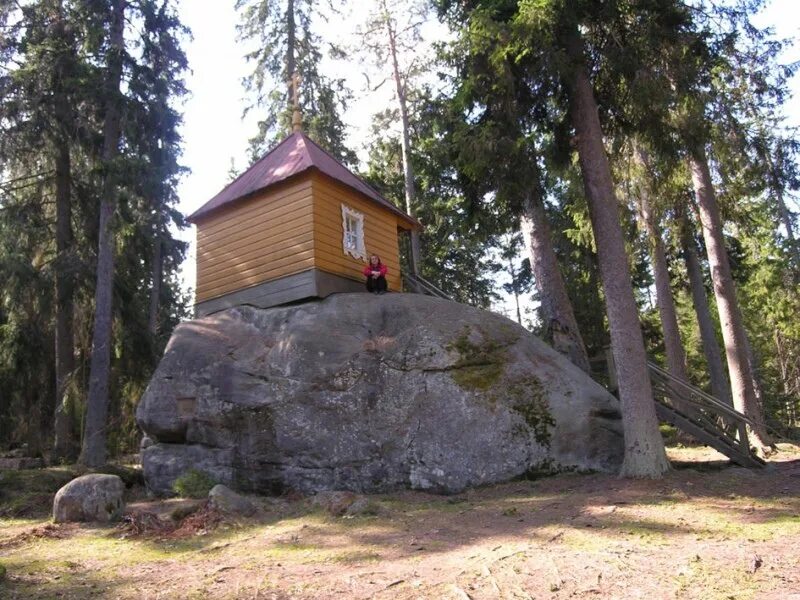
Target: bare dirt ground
x=708 y=530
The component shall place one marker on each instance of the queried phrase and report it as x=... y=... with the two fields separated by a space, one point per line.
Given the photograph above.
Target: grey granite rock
x=229 y=502
x=339 y=503
x=95 y=497
x=369 y=393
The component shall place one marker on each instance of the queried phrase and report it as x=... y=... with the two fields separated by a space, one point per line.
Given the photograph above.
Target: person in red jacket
x=375 y=272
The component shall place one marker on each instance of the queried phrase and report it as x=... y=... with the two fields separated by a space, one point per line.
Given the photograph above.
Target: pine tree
x=499 y=153
x=460 y=269
x=520 y=277
x=720 y=387
x=145 y=207
x=52 y=109
x=40 y=96
x=556 y=307
x=387 y=41
x=733 y=332
x=676 y=356
x=64 y=62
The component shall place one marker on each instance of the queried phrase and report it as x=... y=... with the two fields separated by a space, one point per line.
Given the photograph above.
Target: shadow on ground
x=294 y=550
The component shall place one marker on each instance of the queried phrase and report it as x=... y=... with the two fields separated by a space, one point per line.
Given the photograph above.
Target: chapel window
x=353 y=228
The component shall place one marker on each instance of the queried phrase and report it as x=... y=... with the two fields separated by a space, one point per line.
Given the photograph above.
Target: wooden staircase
x=704 y=417
x=420 y=285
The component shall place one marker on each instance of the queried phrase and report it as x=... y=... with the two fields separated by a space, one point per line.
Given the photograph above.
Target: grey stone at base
x=299 y=286
x=229 y=502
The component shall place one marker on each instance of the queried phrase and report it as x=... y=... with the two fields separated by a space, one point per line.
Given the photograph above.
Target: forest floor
x=707 y=530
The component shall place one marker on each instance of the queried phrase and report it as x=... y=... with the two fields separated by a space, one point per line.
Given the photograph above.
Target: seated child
x=375 y=272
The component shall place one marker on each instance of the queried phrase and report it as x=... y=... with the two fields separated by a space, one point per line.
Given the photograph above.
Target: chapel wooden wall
x=262 y=238
x=289 y=229
x=380 y=232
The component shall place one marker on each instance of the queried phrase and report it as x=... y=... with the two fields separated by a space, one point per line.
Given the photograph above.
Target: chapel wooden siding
x=262 y=238
x=380 y=232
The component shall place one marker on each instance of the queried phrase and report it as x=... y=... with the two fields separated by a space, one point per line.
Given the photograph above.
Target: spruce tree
x=93 y=449
x=286 y=47
x=52 y=107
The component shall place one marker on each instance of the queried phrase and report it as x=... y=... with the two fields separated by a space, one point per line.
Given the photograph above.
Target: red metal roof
x=296 y=154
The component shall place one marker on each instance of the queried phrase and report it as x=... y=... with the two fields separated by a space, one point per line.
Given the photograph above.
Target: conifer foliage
x=89 y=150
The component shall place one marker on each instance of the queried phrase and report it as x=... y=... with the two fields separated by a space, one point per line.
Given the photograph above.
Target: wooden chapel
x=296 y=225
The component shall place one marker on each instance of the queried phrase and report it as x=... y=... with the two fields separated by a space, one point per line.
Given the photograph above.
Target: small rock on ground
x=94 y=497
x=229 y=502
x=340 y=503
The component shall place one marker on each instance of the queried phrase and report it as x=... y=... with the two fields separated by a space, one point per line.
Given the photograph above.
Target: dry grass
x=706 y=531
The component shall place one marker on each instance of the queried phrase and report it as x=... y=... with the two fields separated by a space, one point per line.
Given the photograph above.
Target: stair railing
x=703 y=410
x=422 y=286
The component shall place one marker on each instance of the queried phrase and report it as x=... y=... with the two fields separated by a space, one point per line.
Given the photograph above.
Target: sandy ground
x=708 y=530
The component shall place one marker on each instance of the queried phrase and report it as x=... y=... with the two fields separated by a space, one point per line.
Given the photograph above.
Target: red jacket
x=369 y=268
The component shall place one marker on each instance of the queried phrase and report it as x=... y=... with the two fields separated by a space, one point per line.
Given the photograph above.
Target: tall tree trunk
x=783 y=212
x=556 y=307
x=733 y=333
x=291 y=63
x=720 y=387
x=676 y=356
x=405 y=141
x=519 y=312
x=155 y=288
x=33 y=433
x=93 y=453
x=758 y=389
x=644 y=447
x=64 y=446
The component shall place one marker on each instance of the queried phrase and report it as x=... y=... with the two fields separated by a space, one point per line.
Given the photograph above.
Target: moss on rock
x=529 y=400
x=193 y=484
x=479 y=365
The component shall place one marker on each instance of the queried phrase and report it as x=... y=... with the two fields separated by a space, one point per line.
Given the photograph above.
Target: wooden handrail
x=695 y=391
x=420 y=283
x=697 y=422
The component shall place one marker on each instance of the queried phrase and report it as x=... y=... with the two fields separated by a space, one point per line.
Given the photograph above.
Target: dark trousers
x=376 y=285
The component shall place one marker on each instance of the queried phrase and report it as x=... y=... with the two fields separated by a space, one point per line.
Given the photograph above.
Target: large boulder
x=368 y=394
x=94 y=497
